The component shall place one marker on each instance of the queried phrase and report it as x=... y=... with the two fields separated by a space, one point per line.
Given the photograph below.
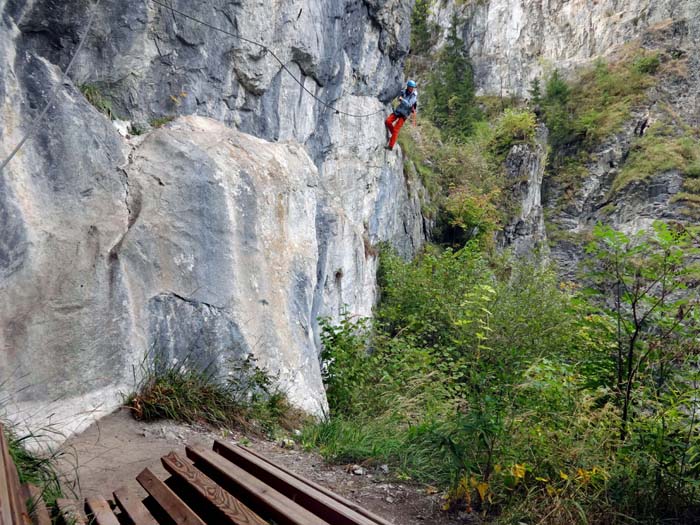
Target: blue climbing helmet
x=411 y=83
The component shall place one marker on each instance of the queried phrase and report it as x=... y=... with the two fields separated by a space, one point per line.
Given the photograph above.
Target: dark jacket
x=408 y=103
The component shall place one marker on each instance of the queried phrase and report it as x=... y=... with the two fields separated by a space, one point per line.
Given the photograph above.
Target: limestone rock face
x=224 y=233
x=525 y=170
x=511 y=42
x=219 y=257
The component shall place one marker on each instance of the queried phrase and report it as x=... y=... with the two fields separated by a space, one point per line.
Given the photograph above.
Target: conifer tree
x=536 y=92
x=451 y=91
x=421 y=36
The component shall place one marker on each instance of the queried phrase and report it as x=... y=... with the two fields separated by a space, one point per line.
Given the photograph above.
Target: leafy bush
x=448 y=171
x=513 y=127
x=474 y=215
x=493 y=380
x=647 y=65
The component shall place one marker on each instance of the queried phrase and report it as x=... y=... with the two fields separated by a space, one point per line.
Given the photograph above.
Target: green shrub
x=513 y=127
x=474 y=215
x=499 y=384
x=647 y=65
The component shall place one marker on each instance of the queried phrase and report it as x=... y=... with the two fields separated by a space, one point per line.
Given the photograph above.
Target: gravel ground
x=113 y=451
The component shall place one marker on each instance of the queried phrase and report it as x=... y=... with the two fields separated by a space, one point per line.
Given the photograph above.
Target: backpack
x=403 y=109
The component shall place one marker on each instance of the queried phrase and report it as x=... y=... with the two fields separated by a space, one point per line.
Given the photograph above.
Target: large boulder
x=193 y=241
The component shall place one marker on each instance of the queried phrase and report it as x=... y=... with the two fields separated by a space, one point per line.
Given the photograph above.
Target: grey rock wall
x=525 y=168
x=194 y=241
x=511 y=42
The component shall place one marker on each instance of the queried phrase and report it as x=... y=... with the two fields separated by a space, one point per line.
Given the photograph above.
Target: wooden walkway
x=227 y=485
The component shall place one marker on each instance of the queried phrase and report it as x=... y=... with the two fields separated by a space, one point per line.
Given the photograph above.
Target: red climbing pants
x=393 y=124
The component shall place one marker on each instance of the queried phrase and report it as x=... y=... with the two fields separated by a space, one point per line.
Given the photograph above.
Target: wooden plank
x=21 y=513
x=346 y=502
x=318 y=502
x=99 y=510
x=71 y=512
x=37 y=508
x=168 y=500
x=229 y=509
x=132 y=508
x=5 y=495
x=264 y=500
x=17 y=509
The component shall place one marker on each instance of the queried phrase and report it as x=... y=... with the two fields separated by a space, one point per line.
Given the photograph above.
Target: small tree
x=558 y=91
x=451 y=91
x=643 y=283
x=421 y=31
x=536 y=92
x=557 y=112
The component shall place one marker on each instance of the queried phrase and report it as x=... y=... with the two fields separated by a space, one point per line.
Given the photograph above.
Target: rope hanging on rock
x=52 y=98
x=268 y=50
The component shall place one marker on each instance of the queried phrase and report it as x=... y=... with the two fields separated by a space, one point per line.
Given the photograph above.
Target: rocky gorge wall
x=511 y=42
x=221 y=234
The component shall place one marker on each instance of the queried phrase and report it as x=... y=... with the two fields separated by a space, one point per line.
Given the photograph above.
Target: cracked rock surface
x=229 y=231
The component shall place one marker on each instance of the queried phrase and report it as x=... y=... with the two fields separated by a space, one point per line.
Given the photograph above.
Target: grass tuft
x=95 y=97
x=37 y=469
x=247 y=398
x=159 y=122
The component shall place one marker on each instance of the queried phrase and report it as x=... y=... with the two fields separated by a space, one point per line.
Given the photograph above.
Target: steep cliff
x=511 y=42
x=192 y=240
x=633 y=153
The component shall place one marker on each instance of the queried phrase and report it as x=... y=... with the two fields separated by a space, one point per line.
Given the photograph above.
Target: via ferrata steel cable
x=267 y=49
x=54 y=94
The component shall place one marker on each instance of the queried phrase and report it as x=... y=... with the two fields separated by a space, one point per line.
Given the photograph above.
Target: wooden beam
x=168 y=500
x=5 y=496
x=132 y=508
x=229 y=509
x=262 y=499
x=37 y=508
x=14 y=509
x=318 y=502
x=71 y=512
x=100 y=511
x=344 y=501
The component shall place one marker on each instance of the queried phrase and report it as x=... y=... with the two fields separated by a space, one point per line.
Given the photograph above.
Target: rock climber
x=408 y=105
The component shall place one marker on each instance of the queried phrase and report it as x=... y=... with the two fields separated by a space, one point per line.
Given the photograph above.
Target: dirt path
x=112 y=452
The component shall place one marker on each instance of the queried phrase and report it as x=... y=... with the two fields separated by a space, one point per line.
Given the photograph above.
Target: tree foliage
x=421 y=29
x=529 y=399
x=451 y=93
